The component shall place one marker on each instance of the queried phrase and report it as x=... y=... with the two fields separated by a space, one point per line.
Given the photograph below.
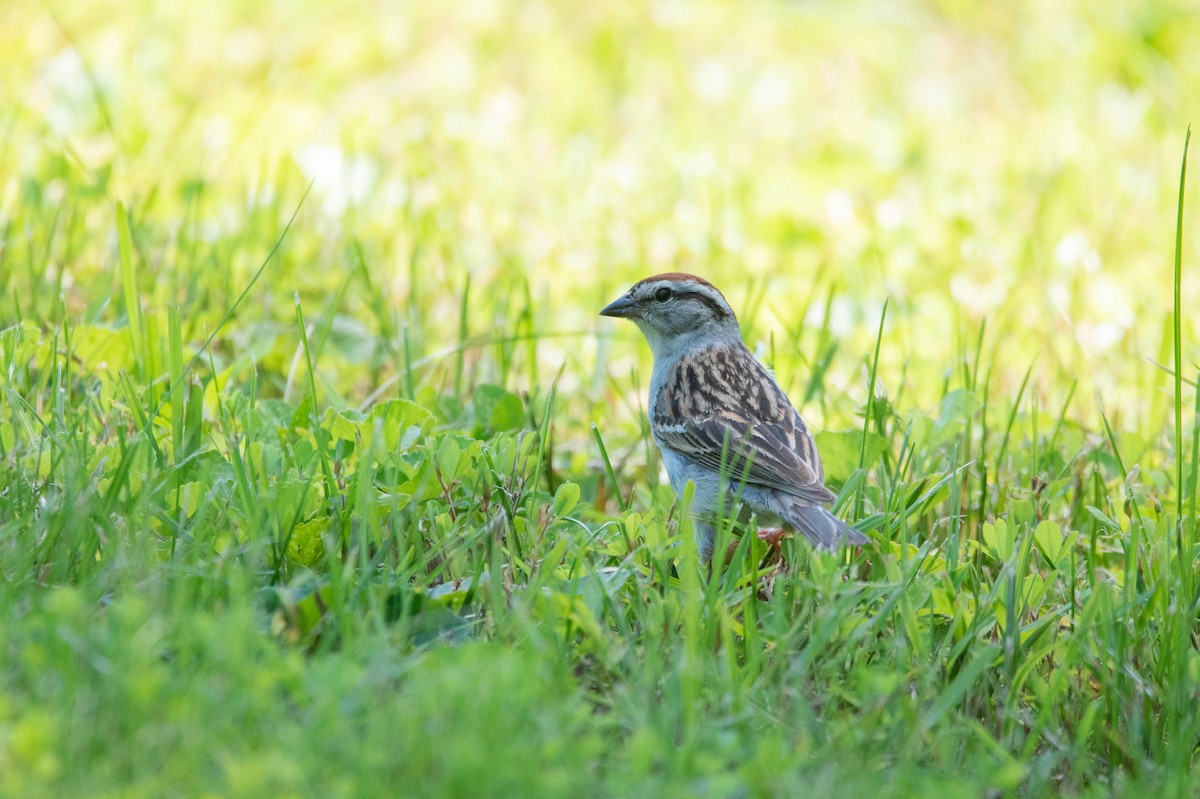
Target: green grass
x=319 y=475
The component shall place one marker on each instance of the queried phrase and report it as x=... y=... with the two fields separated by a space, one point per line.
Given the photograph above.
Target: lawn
x=320 y=475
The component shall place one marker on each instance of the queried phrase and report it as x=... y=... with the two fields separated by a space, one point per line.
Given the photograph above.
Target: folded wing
x=722 y=409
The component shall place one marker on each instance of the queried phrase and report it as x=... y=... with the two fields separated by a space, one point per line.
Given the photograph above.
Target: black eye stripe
x=663 y=293
x=712 y=304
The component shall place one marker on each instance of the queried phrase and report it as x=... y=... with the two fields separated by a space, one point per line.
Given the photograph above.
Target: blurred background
x=210 y=591
x=486 y=175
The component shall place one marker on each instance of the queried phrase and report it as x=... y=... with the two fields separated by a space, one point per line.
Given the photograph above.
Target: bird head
x=677 y=311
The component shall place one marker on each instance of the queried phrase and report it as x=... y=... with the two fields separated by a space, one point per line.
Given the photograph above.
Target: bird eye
x=663 y=294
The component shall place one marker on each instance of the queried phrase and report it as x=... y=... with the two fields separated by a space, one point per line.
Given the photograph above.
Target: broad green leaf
x=302 y=415
x=342 y=424
x=998 y=538
x=306 y=546
x=400 y=421
x=840 y=451
x=1022 y=510
x=276 y=410
x=102 y=349
x=1033 y=588
x=1102 y=517
x=298 y=499
x=448 y=458
x=188 y=498
x=957 y=407
x=942 y=602
x=453 y=593
x=1049 y=539
x=917 y=427
x=214 y=392
x=497 y=409
x=566 y=498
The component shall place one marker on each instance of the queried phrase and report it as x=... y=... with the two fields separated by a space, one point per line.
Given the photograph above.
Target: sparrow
x=720 y=419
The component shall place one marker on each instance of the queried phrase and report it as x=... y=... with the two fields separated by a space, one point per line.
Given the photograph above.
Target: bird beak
x=619 y=308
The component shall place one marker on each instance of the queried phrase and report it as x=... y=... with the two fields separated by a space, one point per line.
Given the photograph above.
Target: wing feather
x=720 y=408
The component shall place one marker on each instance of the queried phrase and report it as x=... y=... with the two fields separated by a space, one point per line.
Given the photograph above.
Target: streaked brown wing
x=740 y=422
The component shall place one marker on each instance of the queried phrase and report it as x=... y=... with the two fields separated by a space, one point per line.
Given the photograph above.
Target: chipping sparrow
x=719 y=417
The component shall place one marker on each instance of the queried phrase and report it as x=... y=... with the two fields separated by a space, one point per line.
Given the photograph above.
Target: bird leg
x=771 y=535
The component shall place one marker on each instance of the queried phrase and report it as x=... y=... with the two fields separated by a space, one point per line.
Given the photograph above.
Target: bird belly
x=708 y=483
x=760 y=500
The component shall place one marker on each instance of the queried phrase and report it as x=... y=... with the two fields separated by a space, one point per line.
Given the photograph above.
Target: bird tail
x=822 y=528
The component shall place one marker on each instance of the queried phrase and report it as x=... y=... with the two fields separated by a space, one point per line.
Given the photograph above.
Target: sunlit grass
x=320 y=476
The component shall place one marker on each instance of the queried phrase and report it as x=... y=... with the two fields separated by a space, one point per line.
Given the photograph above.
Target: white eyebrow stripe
x=686 y=286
